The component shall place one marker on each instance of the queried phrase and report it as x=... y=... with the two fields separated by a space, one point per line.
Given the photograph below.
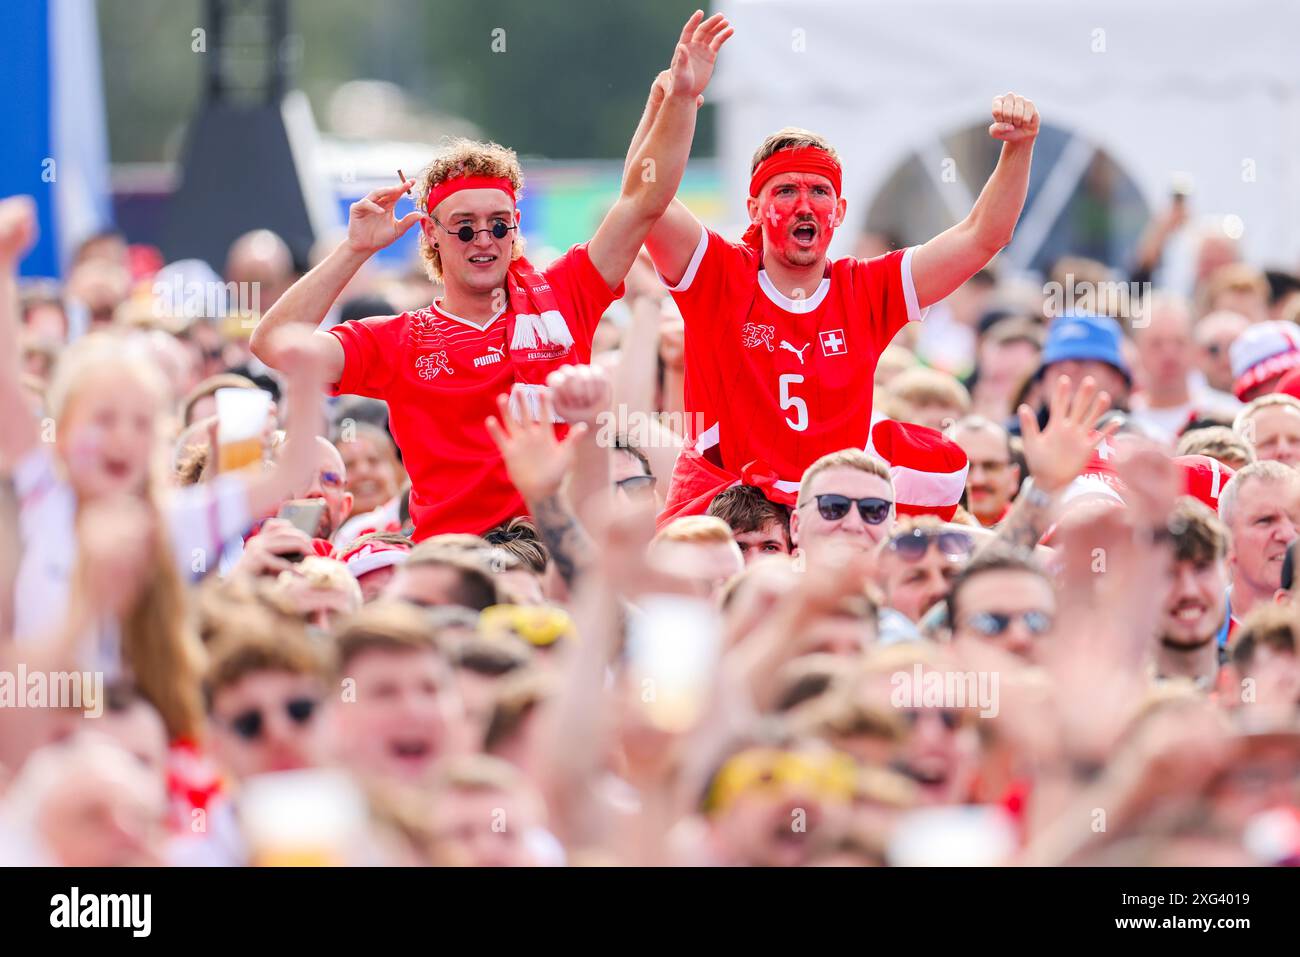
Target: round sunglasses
x=466 y=233
x=833 y=507
x=912 y=546
x=251 y=724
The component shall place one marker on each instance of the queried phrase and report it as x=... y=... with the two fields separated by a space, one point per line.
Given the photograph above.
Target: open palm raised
x=535 y=459
x=697 y=52
x=1057 y=454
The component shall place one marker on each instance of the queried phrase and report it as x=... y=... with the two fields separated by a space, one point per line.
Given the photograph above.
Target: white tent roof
x=1206 y=87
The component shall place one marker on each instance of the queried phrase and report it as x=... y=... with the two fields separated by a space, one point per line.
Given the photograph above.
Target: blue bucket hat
x=1080 y=337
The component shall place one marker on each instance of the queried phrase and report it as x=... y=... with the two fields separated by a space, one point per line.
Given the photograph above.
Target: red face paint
x=794 y=200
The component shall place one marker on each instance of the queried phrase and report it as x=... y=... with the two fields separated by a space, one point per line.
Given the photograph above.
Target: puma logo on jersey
x=798 y=352
x=428 y=367
x=753 y=335
x=494 y=355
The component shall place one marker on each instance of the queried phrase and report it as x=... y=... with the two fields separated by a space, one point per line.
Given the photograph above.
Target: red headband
x=457 y=183
x=805 y=159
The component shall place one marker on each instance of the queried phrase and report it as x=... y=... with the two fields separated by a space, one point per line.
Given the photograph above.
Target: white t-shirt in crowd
x=1165 y=424
x=200 y=520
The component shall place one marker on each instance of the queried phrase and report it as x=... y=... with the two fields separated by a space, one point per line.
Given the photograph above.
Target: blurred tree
x=570 y=82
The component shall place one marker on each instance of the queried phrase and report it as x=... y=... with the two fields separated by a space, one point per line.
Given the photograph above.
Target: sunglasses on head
x=833 y=507
x=251 y=724
x=994 y=624
x=913 y=545
x=466 y=233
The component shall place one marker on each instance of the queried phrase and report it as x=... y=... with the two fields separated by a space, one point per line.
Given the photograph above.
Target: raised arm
x=956 y=254
x=17 y=233
x=581 y=394
x=1055 y=455
x=306 y=363
x=655 y=164
x=537 y=464
x=371 y=227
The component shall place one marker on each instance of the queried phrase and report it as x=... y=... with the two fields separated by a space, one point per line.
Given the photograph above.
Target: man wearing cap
x=1261 y=356
x=781 y=341
x=1083 y=346
x=501 y=326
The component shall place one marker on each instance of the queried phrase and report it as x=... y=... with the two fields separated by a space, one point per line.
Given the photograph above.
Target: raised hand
x=17 y=229
x=115 y=548
x=697 y=52
x=1057 y=454
x=303 y=357
x=1015 y=119
x=535 y=460
x=1152 y=480
x=265 y=553
x=580 y=393
x=371 y=224
x=672 y=344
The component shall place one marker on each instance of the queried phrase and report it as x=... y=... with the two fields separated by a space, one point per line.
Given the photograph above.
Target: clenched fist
x=1015 y=119
x=579 y=393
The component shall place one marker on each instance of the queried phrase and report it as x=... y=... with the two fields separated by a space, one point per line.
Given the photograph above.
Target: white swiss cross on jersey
x=782 y=380
x=833 y=343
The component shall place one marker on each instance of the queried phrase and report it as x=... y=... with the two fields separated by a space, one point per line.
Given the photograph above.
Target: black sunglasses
x=994 y=624
x=913 y=545
x=250 y=724
x=833 y=507
x=466 y=233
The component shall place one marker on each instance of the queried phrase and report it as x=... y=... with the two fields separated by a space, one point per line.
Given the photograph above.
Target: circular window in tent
x=1081 y=202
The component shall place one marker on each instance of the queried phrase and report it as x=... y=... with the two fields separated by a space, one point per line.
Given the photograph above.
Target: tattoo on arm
x=570 y=546
x=1025 y=524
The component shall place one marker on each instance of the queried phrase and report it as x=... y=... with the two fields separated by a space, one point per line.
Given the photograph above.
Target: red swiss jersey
x=441 y=375
x=784 y=381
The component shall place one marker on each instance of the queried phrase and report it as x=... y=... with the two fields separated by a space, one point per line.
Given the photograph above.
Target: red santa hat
x=373 y=555
x=928 y=470
x=1204 y=478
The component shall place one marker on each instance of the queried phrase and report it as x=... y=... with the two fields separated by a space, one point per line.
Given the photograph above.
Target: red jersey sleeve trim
x=914 y=311
x=692 y=267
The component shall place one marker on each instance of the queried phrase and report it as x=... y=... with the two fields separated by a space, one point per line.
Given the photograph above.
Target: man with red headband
x=782 y=342
x=501 y=325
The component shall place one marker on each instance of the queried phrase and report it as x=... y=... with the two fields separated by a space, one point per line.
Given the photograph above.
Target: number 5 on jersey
x=788 y=401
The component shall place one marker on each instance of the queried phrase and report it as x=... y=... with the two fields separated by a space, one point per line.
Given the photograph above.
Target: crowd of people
x=673 y=550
